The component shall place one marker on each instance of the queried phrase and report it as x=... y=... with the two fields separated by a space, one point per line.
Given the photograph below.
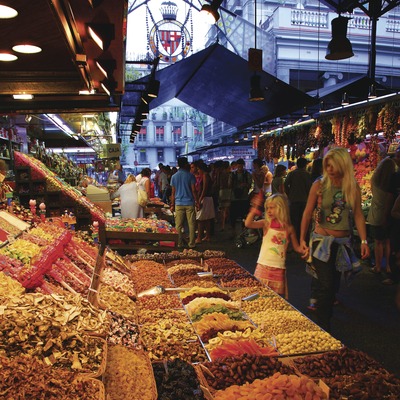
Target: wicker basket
x=102 y=366
x=207 y=390
x=97 y=384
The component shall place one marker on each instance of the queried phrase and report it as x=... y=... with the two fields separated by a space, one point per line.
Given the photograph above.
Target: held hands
x=304 y=250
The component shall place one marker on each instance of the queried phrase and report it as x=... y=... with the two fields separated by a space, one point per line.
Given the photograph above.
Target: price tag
x=11 y=239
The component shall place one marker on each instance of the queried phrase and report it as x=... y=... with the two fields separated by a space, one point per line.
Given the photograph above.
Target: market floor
x=366 y=318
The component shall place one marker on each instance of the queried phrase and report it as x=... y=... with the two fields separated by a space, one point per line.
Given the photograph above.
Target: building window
x=142 y=136
x=159 y=133
x=196 y=134
x=177 y=133
x=160 y=155
x=142 y=156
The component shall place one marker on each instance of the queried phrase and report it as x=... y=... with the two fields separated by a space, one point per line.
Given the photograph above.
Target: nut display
x=299 y=342
x=282 y=321
x=261 y=304
x=162 y=302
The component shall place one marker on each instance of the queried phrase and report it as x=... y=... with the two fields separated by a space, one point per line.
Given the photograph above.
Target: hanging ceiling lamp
x=256 y=91
x=339 y=48
x=255 y=64
x=211 y=11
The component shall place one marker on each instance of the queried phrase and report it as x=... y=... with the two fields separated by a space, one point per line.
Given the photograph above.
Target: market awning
x=356 y=90
x=216 y=82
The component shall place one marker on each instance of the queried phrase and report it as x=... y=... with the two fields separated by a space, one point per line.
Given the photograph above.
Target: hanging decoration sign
x=169 y=39
x=110 y=150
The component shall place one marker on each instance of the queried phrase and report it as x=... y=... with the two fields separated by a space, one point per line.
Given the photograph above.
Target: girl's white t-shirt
x=273 y=248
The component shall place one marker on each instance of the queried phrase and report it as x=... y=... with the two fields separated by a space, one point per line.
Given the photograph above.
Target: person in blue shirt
x=184 y=201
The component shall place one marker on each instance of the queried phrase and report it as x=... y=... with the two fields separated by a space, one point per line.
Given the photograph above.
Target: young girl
x=277 y=233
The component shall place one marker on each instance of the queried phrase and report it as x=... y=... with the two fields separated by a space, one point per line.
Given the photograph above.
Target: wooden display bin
x=104 y=205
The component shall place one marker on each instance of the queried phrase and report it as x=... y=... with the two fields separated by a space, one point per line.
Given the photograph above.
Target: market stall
x=212 y=331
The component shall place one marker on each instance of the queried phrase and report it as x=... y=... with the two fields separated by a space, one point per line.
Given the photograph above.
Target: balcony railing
x=393 y=25
x=309 y=18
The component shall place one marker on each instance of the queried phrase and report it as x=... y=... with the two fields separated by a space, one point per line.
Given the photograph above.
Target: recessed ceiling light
x=27 y=48
x=23 y=96
x=7 y=12
x=8 y=57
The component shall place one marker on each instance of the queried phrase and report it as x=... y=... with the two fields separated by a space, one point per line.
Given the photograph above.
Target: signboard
x=110 y=150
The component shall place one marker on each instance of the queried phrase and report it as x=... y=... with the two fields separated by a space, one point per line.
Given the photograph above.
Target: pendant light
x=339 y=48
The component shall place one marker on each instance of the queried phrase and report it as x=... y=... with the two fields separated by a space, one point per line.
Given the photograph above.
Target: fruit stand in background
x=55 y=192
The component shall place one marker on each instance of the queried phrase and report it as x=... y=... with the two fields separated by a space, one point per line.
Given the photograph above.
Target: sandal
x=374 y=270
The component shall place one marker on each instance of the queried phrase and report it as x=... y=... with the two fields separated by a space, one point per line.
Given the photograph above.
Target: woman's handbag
x=142 y=197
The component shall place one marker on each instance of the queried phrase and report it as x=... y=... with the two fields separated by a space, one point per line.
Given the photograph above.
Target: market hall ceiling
x=216 y=82
x=67 y=62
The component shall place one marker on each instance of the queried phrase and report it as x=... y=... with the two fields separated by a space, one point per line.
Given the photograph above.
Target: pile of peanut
x=299 y=342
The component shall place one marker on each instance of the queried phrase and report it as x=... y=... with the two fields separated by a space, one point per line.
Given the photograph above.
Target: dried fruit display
x=241 y=347
x=260 y=337
x=165 y=330
x=22 y=250
x=196 y=291
x=341 y=362
x=209 y=326
x=129 y=375
x=117 y=302
x=213 y=253
x=120 y=282
x=9 y=287
x=172 y=263
x=188 y=267
x=26 y=377
x=161 y=302
x=203 y=303
x=277 y=386
x=152 y=316
x=223 y=266
x=177 y=379
x=71 y=313
x=123 y=332
x=241 y=293
x=239 y=281
x=369 y=385
x=146 y=274
x=239 y=370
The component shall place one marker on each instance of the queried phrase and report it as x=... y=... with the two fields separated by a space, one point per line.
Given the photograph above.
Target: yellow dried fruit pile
x=129 y=375
x=9 y=287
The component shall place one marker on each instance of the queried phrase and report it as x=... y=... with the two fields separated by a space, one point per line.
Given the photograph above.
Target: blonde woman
x=277 y=233
x=128 y=198
x=335 y=196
